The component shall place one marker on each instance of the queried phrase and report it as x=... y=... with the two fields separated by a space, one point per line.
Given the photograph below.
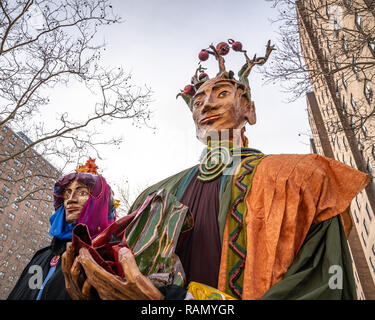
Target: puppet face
x=76 y=195
x=220 y=105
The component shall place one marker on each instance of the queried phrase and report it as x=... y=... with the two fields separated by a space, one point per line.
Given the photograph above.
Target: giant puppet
x=257 y=226
x=82 y=197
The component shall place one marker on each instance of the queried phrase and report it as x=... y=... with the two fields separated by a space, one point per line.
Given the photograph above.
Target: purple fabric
x=200 y=250
x=99 y=211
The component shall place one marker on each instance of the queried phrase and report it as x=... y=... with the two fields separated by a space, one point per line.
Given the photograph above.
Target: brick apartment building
x=340 y=94
x=26 y=203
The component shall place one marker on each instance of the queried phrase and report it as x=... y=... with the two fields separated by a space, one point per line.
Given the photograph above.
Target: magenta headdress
x=99 y=211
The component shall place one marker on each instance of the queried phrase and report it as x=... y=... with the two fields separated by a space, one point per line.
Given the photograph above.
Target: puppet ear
x=249 y=107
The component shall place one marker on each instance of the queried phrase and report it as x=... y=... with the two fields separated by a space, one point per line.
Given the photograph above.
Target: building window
x=329 y=45
x=368 y=92
x=365 y=226
x=338 y=142
x=328 y=10
x=18 y=163
x=371 y=45
x=345 y=44
x=355 y=215
x=355 y=67
x=4 y=199
x=338 y=88
x=364 y=129
x=370 y=169
x=7 y=189
x=353 y=103
x=368 y=212
x=344 y=82
x=372 y=265
x=345 y=144
x=358 y=20
x=361 y=146
x=363 y=238
x=336 y=62
x=358 y=203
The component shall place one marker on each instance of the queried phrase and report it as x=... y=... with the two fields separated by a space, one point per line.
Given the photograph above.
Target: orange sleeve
x=289 y=193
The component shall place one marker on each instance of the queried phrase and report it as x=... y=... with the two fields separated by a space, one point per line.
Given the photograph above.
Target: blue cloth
x=59 y=227
x=49 y=275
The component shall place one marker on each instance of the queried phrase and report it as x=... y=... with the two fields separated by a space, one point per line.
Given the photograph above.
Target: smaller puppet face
x=76 y=195
x=220 y=105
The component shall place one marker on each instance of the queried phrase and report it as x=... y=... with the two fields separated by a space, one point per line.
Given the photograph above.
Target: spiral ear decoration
x=222 y=49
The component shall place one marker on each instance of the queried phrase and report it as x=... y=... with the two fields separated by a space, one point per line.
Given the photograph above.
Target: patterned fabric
x=199 y=291
x=151 y=232
x=237 y=232
x=214 y=163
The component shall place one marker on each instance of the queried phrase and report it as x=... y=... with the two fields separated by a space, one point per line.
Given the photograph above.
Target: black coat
x=55 y=287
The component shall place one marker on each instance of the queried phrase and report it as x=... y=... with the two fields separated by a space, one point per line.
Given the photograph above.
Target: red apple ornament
x=202 y=76
x=189 y=90
x=222 y=48
x=237 y=46
x=203 y=55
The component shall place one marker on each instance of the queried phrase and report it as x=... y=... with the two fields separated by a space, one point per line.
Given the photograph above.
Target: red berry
x=203 y=55
x=237 y=46
x=222 y=48
x=203 y=75
x=189 y=90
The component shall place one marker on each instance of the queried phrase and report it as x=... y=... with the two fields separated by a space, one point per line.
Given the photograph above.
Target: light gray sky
x=159 y=43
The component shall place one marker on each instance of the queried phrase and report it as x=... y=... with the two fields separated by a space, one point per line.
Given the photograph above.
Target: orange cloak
x=289 y=193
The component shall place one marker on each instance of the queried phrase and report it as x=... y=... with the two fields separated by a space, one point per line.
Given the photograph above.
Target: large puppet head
x=82 y=197
x=222 y=102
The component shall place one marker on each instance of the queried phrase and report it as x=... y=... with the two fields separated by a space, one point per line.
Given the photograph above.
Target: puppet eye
x=223 y=93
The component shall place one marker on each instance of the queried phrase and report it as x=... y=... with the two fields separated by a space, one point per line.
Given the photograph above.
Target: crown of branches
x=218 y=52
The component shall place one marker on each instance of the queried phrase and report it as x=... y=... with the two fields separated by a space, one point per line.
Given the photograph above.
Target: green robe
x=325 y=248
